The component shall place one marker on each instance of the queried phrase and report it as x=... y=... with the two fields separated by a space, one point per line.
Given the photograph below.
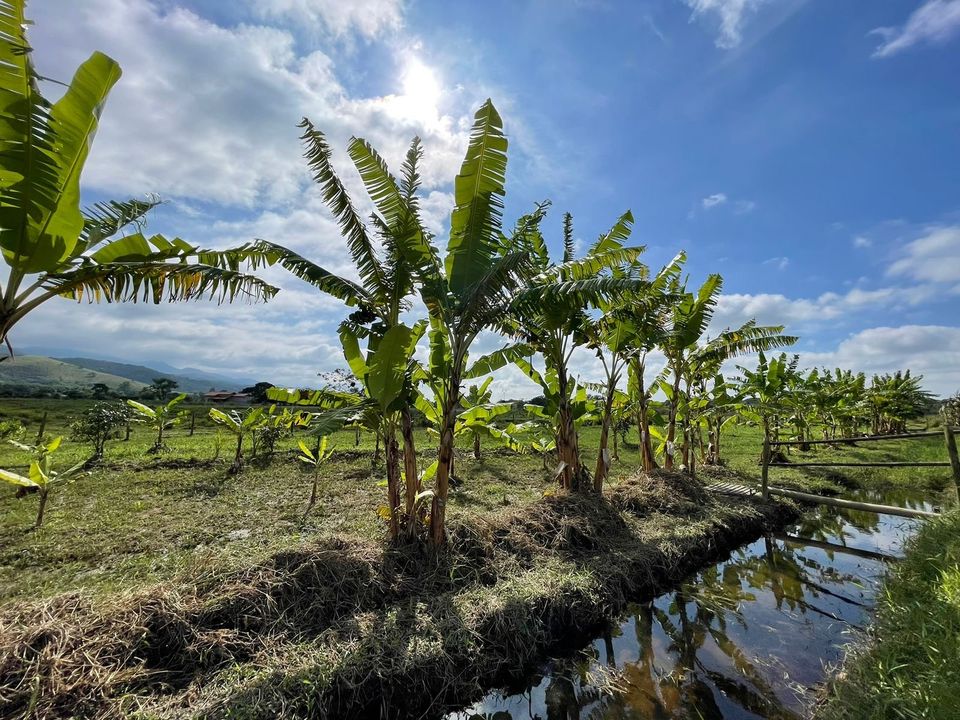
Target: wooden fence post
x=193 y=421
x=952 y=452
x=43 y=428
x=765 y=465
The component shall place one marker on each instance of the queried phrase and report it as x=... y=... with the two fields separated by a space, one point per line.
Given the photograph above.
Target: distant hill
x=42 y=372
x=146 y=375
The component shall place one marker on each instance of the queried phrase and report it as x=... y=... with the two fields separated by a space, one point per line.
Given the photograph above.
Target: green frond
x=317 y=153
x=349 y=292
x=492 y=293
x=380 y=184
x=478 y=195
x=569 y=243
x=44 y=148
x=593 y=264
x=156 y=282
x=615 y=236
x=105 y=219
x=492 y=362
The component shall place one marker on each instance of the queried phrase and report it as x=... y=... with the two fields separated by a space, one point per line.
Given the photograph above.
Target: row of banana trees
x=494 y=277
x=491 y=276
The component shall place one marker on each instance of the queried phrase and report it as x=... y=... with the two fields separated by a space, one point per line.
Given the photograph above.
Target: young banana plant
x=160 y=418
x=239 y=426
x=315 y=459
x=41 y=476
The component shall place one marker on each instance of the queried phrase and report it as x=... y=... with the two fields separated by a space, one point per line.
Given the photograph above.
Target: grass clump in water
x=910 y=667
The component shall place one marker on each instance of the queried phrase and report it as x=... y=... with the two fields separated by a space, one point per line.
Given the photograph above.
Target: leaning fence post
x=43 y=428
x=951 y=441
x=765 y=465
x=193 y=421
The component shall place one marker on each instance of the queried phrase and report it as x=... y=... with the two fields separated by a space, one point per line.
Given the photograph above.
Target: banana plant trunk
x=568 y=451
x=643 y=422
x=392 y=453
x=438 y=510
x=411 y=473
x=603 y=456
x=44 y=493
x=672 y=423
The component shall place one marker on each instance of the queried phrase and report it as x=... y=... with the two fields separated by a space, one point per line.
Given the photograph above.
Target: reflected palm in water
x=745 y=638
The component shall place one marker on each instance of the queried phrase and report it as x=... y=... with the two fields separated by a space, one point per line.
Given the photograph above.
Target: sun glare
x=420 y=85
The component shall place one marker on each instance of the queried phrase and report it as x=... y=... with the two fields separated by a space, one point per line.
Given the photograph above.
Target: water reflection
x=746 y=638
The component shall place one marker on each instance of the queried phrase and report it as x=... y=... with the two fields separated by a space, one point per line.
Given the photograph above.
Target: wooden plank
x=862 y=438
x=853 y=504
x=860 y=464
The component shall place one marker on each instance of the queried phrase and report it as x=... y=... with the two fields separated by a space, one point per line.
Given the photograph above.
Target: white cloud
x=781 y=263
x=934 y=257
x=861 y=241
x=732 y=15
x=797 y=313
x=929 y=350
x=209 y=113
x=369 y=18
x=714 y=200
x=934 y=22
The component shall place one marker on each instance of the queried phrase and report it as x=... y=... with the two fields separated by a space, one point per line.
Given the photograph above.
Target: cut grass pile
x=343 y=626
x=908 y=668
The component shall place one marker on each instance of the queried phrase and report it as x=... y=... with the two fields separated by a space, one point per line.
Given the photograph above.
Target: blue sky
x=808 y=150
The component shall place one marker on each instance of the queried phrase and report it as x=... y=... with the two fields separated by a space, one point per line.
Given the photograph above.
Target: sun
x=420 y=85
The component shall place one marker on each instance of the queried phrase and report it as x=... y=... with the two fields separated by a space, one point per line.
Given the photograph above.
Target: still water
x=750 y=637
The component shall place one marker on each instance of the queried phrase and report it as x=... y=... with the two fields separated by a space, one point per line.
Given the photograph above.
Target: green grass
x=909 y=668
x=741 y=449
x=139 y=518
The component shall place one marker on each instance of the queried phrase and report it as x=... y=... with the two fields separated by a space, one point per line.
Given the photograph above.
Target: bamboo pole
x=852 y=504
x=861 y=464
x=863 y=438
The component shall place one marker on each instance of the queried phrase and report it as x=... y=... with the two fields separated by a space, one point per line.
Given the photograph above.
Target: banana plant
x=474 y=419
x=52 y=247
x=627 y=327
x=690 y=318
x=41 y=477
x=239 y=426
x=386 y=279
x=315 y=459
x=573 y=397
x=767 y=387
x=556 y=324
x=160 y=418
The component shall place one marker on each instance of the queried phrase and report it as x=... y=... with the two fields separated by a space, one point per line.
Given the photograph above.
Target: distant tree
x=161 y=388
x=100 y=391
x=258 y=391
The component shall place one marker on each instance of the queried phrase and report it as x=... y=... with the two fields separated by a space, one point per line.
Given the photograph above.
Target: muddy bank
x=346 y=629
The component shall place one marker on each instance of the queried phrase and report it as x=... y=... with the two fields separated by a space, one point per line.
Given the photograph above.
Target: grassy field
x=137 y=518
x=909 y=668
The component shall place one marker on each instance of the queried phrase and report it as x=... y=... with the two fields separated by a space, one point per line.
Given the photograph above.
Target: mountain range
x=38 y=371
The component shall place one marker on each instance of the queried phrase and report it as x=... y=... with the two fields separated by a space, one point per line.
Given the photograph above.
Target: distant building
x=226 y=397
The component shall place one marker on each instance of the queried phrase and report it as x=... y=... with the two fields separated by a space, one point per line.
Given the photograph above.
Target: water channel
x=753 y=636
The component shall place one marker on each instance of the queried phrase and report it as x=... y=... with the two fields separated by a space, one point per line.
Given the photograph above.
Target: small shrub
x=99 y=423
